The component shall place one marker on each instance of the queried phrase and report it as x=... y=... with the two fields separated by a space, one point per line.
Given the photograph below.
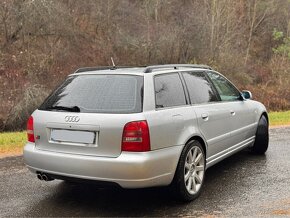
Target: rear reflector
x=136 y=137
x=30 y=131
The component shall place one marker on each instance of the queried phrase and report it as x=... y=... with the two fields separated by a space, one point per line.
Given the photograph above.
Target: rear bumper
x=129 y=170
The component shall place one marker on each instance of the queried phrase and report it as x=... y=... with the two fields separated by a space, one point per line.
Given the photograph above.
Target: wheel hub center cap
x=192 y=168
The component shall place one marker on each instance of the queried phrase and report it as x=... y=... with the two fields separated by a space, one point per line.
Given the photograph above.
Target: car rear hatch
x=87 y=113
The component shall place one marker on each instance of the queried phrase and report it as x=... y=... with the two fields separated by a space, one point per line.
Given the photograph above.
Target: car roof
x=129 y=70
x=139 y=70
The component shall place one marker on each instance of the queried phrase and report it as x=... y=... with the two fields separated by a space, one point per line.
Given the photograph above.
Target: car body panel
x=129 y=170
x=214 y=123
x=108 y=129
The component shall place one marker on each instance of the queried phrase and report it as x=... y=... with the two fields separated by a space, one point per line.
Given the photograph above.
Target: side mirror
x=247 y=94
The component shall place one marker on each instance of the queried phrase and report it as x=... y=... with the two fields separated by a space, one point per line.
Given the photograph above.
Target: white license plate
x=73 y=136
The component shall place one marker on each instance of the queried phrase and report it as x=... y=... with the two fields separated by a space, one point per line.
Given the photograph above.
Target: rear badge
x=72 y=119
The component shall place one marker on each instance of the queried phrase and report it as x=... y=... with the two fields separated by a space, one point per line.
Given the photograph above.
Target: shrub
x=19 y=113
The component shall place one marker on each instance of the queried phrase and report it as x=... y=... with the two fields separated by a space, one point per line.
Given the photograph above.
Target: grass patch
x=279 y=118
x=12 y=142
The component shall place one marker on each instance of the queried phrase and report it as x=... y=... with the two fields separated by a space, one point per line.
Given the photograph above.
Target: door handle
x=233 y=113
x=204 y=116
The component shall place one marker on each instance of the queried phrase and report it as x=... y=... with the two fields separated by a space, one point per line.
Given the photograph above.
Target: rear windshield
x=98 y=94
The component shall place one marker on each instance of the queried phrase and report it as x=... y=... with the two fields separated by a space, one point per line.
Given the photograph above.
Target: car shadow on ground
x=223 y=181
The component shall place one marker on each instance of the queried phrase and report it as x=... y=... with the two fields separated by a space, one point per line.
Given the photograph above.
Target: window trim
x=184 y=92
x=185 y=89
x=213 y=87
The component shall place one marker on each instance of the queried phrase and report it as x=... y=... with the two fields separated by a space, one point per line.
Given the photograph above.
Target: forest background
x=42 y=41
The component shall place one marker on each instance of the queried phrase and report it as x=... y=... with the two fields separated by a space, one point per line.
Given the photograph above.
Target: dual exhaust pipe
x=44 y=177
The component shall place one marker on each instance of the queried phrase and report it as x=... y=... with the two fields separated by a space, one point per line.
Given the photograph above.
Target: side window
x=199 y=88
x=225 y=89
x=168 y=91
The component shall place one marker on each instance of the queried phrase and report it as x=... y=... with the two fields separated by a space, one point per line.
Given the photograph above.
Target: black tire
x=178 y=185
x=262 y=137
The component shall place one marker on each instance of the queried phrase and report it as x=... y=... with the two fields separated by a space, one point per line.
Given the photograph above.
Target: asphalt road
x=242 y=185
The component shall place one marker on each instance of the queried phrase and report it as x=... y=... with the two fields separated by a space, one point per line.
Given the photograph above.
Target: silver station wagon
x=139 y=127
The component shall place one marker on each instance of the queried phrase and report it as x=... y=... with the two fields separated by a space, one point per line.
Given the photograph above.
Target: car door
x=213 y=118
x=171 y=107
x=240 y=120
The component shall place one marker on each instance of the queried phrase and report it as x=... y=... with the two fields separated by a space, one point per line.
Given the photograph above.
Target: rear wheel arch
x=200 y=140
x=193 y=138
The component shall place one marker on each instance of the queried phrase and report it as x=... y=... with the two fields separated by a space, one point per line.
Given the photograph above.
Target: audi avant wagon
x=140 y=127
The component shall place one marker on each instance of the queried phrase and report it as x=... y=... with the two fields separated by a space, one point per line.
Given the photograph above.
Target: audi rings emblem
x=72 y=119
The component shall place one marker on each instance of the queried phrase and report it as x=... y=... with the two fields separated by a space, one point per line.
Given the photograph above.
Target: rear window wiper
x=64 y=108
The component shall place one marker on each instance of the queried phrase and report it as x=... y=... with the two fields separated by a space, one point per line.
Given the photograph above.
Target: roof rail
x=149 y=69
x=86 y=69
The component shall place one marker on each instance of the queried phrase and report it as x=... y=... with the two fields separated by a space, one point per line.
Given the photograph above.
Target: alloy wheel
x=194 y=169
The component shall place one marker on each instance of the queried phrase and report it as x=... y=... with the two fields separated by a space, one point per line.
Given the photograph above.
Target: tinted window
x=99 y=94
x=168 y=91
x=225 y=89
x=199 y=88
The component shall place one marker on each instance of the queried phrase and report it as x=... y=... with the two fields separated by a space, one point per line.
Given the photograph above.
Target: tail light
x=136 y=137
x=30 y=131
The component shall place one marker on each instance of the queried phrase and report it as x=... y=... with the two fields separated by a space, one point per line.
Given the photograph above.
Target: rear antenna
x=113 y=63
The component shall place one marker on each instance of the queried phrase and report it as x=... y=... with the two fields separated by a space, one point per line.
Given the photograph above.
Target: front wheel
x=190 y=172
x=262 y=137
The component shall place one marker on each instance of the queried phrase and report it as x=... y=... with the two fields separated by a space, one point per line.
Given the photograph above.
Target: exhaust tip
x=39 y=176
x=44 y=177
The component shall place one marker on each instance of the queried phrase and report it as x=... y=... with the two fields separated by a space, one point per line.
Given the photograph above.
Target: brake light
x=30 y=131
x=136 y=136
